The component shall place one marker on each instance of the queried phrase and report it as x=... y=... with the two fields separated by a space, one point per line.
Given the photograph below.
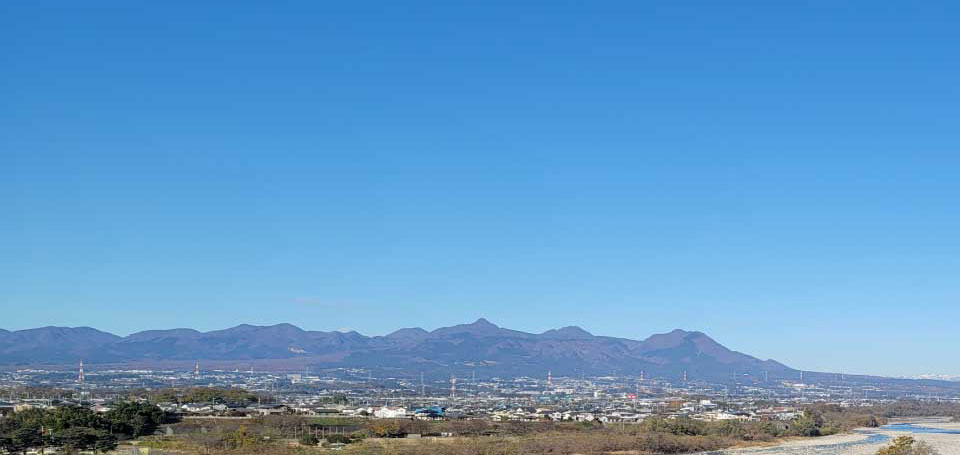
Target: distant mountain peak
x=479 y=327
x=699 y=342
x=569 y=332
x=240 y=327
x=155 y=334
x=256 y=328
x=673 y=338
x=284 y=326
x=407 y=333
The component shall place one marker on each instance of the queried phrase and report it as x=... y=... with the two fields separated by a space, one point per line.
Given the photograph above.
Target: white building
x=387 y=412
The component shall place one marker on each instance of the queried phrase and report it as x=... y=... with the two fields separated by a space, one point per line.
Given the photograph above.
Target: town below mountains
x=480 y=348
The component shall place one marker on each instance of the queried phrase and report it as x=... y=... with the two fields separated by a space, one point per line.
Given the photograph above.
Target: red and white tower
x=80 y=376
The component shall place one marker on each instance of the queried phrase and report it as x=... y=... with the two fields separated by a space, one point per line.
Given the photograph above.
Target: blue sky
x=780 y=175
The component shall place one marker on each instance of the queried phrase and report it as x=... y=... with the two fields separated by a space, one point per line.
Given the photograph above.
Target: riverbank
x=864 y=441
x=945 y=443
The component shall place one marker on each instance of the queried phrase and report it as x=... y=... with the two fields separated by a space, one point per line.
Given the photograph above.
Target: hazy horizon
x=782 y=177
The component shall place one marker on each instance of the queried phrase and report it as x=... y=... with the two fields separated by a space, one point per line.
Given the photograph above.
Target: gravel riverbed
x=864 y=442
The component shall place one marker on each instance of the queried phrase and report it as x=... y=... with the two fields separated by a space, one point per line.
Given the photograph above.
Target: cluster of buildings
x=622 y=411
x=360 y=393
x=609 y=410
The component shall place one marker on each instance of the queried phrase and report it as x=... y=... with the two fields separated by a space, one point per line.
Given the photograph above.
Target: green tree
x=309 y=439
x=26 y=438
x=134 y=419
x=805 y=426
x=204 y=394
x=71 y=416
x=75 y=439
x=105 y=442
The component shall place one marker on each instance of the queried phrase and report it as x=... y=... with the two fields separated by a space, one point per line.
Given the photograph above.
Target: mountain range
x=480 y=347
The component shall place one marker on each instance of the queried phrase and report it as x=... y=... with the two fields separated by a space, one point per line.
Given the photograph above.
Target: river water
x=918 y=429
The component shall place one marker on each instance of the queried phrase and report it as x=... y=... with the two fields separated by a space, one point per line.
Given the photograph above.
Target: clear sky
x=783 y=176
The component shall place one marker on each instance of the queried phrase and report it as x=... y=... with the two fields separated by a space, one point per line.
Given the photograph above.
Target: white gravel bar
x=865 y=442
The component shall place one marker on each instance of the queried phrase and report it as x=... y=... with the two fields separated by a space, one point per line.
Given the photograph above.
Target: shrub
x=338 y=439
x=308 y=439
x=906 y=445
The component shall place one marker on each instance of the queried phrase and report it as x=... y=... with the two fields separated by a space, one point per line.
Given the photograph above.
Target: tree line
x=75 y=428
